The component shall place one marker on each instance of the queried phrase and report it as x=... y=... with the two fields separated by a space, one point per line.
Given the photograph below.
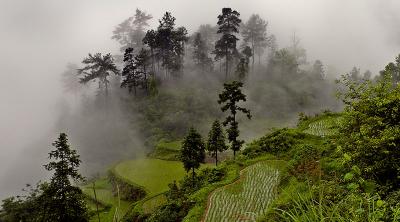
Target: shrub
x=279 y=141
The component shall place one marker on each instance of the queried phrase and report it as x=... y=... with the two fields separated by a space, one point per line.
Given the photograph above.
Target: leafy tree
x=297 y=51
x=228 y=26
x=367 y=75
x=200 y=54
x=98 y=67
x=131 y=78
x=254 y=32
x=208 y=35
x=242 y=68
x=70 y=79
x=393 y=70
x=231 y=95
x=131 y=31
x=283 y=63
x=317 y=71
x=192 y=153
x=355 y=74
x=216 y=140
x=64 y=201
x=370 y=135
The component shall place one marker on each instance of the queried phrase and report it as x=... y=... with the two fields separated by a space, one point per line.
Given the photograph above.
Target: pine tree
x=170 y=43
x=242 y=68
x=98 y=67
x=131 y=78
x=141 y=62
x=63 y=201
x=192 y=153
x=228 y=26
x=200 y=54
x=229 y=98
x=318 y=70
x=216 y=140
x=254 y=32
x=131 y=31
x=150 y=39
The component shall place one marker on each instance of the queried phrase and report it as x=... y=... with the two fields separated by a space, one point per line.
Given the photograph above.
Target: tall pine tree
x=232 y=95
x=131 y=78
x=63 y=201
x=216 y=140
x=192 y=153
x=228 y=27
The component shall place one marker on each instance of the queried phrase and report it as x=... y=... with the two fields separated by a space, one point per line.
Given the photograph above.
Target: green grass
x=153 y=174
x=166 y=150
x=105 y=197
x=247 y=198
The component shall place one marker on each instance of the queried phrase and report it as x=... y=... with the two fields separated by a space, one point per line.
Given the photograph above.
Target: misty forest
x=221 y=121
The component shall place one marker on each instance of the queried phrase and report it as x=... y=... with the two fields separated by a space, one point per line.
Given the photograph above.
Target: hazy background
x=38 y=38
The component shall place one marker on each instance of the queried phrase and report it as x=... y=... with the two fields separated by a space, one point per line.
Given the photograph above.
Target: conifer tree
x=170 y=42
x=193 y=151
x=231 y=95
x=131 y=31
x=131 y=78
x=62 y=201
x=150 y=39
x=242 y=68
x=141 y=62
x=200 y=54
x=228 y=26
x=254 y=32
x=216 y=140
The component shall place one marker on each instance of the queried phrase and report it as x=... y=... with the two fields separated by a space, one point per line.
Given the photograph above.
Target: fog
x=38 y=38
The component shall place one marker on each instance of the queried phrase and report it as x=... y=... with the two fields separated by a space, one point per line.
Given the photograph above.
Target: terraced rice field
x=324 y=127
x=246 y=199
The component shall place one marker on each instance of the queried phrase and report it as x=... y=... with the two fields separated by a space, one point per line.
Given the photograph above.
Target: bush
x=279 y=141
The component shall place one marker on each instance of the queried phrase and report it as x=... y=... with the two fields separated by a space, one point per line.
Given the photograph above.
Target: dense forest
x=221 y=124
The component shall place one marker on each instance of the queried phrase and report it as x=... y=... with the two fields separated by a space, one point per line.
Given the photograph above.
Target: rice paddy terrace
x=325 y=126
x=247 y=198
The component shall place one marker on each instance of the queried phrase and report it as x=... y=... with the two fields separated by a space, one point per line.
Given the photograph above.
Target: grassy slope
x=167 y=150
x=105 y=196
x=153 y=174
x=290 y=187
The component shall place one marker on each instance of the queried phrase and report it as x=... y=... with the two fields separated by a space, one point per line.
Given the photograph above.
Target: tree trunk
x=152 y=62
x=252 y=48
x=216 y=157
x=226 y=63
x=193 y=177
x=145 y=79
x=234 y=151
